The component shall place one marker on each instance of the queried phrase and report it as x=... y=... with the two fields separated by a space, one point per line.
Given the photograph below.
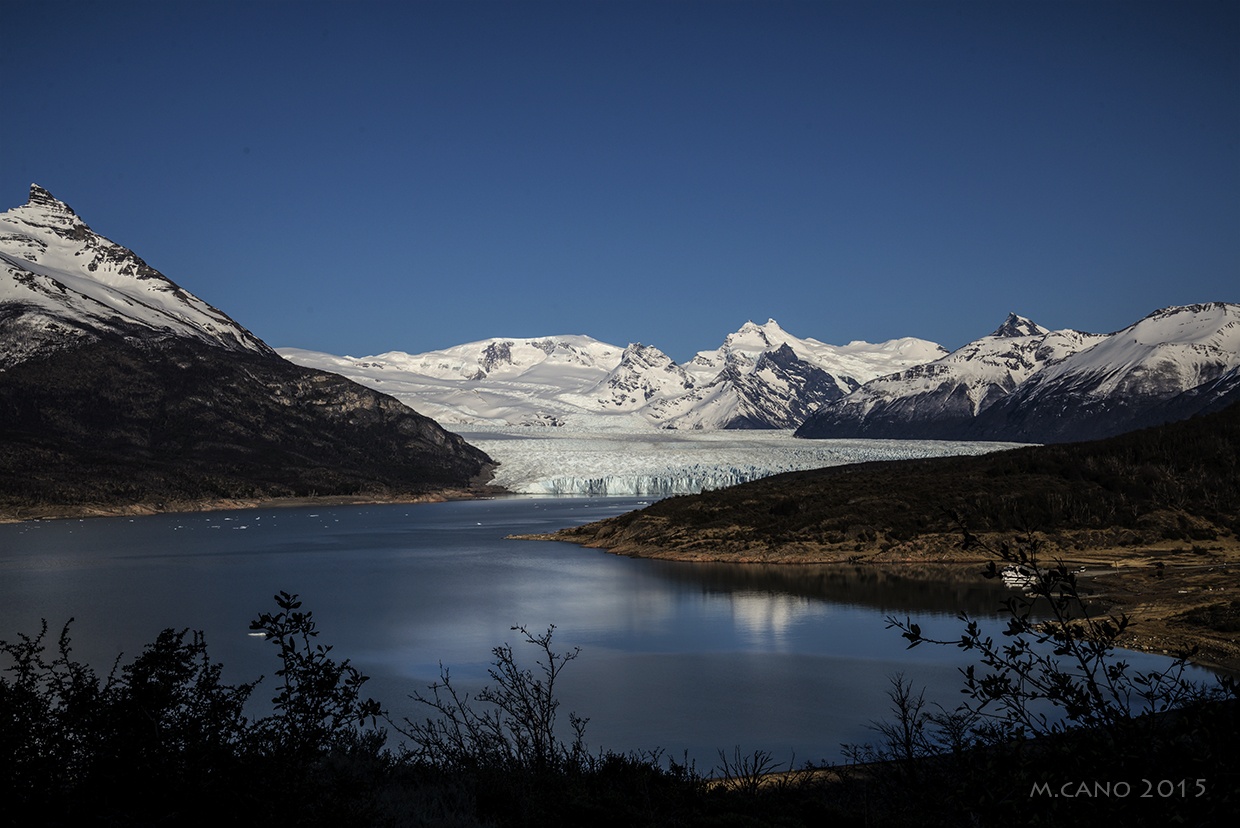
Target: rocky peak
x=1015 y=326
x=43 y=199
x=43 y=211
x=752 y=334
x=644 y=355
x=644 y=372
x=649 y=362
x=60 y=276
x=782 y=356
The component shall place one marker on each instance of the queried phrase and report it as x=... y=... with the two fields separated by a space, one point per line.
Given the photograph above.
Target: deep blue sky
x=361 y=177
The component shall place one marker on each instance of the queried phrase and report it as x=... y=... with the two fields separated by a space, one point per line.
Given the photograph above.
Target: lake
x=680 y=656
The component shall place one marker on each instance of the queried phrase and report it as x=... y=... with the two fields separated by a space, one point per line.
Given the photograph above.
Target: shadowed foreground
x=161 y=740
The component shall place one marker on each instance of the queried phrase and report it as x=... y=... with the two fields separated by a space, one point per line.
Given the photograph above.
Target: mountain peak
x=769 y=325
x=40 y=197
x=44 y=210
x=755 y=337
x=1015 y=326
x=60 y=276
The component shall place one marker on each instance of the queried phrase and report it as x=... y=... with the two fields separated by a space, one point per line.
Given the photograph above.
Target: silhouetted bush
x=162 y=740
x=516 y=729
x=1056 y=723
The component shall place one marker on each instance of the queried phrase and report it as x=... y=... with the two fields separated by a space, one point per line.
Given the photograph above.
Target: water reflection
x=695 y=656
x=925 y=590
x=766 y=620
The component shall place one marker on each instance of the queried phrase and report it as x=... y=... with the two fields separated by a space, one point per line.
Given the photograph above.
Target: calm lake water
x=686 y=657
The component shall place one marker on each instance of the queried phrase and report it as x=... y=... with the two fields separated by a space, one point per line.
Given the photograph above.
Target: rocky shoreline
x=75 y=511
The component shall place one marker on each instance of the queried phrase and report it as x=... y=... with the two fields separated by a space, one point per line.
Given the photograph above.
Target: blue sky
x=362 y=177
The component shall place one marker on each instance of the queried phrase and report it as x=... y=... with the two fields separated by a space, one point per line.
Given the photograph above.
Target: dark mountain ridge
x=113 y=424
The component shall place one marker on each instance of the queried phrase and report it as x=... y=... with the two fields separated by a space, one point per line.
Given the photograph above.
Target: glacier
x=658 y=464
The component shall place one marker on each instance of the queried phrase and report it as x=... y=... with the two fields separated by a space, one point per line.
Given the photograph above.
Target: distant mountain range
x=1021 y=383
x=119 y=387
x=760 y=377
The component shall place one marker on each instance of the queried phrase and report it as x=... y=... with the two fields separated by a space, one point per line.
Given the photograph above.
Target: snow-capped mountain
x=120 y=388
x=1127 y=380
x=580 y=358
x=1026 y=383
x=856 y=361
x=943 y=396
x=497 y=381
x=777 y=390
x=61 y=283
x=644 y=373
x=760 y=377
x=763 y=377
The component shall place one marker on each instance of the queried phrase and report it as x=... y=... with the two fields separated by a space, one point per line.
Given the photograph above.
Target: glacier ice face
x=663 y=463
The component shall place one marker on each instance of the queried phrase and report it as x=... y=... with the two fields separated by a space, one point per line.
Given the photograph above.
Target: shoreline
x=82 y=511
x=1154 y=586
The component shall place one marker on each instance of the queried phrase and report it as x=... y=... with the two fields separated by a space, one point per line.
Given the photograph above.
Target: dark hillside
x=1177 y=482
x=116 y=424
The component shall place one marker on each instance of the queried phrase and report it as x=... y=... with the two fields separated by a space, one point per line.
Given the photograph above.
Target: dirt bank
x=17 y=514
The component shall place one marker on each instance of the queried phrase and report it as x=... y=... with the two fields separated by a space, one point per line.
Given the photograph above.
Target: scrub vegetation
x=1044 y=735
x=1178 y=484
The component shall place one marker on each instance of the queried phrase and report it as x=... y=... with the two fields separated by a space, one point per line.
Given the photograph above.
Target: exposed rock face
x=772 y=389
x=118 y=387
x=497 y=353
x=644 y=372
x=784 y=389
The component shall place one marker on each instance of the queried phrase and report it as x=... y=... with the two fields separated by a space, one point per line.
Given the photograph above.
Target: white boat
x=1019 y=577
